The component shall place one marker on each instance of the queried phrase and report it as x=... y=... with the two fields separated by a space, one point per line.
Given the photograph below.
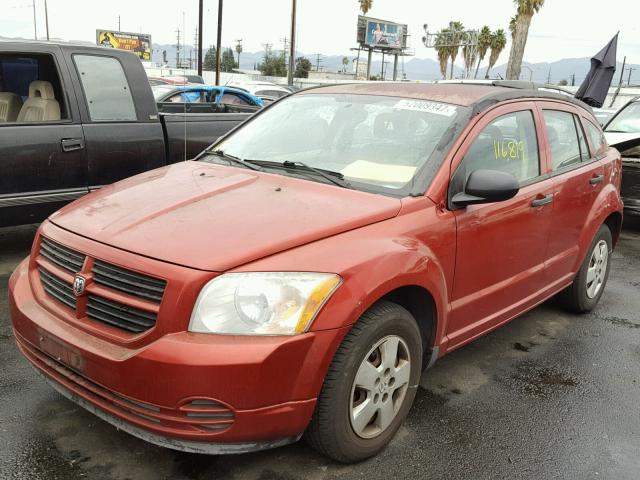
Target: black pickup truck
x=74 y=118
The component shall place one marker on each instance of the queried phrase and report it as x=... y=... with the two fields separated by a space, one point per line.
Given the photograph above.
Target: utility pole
x=615 y=94
x=219 y=42
x=119 y=23
x=549 y=77
x=285 y=50
x=573 y=79
x=178 y=49
x=318 y=57
x=199 y=35
x=46 y=18
x=35 y=27
x=292 y=53
x=629 y=79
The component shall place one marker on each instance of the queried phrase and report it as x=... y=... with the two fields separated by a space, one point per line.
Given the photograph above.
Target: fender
x=607 y=202
x=375 y=260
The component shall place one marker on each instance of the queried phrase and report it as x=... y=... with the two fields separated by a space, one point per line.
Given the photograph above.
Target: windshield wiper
x=334 y=177
x=231 y=159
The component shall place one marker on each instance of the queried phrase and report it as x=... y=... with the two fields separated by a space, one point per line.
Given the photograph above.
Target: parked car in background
x=301 y=273
x=176 y=80
x=208 y=94
x=75 y=118
x=265 y=90
x=622 y=131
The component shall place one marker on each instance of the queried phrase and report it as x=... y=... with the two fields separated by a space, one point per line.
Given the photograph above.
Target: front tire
x=370 y=385
x=584 y=293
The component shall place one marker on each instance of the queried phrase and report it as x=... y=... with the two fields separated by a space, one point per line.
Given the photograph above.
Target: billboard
x=138 y=43
x=373 y=32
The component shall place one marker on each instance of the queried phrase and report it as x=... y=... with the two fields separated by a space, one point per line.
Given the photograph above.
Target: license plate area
x=60 y=352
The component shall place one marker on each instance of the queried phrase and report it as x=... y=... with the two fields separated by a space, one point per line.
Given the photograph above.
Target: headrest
x=41 y=89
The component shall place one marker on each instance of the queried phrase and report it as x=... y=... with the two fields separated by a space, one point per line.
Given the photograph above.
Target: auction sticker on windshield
x=427 y=107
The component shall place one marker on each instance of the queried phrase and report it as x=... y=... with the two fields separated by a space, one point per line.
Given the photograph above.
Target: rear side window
x=106 y=88
x=233 y=99
x=566 y=142
x=509 y=144
x=596 y=139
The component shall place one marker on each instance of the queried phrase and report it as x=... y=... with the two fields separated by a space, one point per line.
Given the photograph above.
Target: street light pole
x=35 y=27
x=200 y=37
x=46 y=17
x=219 y=42
x=292 y=44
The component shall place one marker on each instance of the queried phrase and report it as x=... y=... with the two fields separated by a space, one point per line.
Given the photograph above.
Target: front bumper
x=192 y=392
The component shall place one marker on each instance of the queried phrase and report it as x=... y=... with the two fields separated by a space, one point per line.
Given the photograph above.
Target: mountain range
x=573 y=70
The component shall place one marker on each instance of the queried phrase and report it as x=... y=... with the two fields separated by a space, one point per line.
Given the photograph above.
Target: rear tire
x=587 y=288
x=368 y=390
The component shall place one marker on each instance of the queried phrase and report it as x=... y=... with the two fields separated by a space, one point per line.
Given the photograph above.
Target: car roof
x=478 y=96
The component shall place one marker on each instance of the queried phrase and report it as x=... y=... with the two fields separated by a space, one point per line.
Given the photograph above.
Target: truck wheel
x=585 y=291
x=369 y=387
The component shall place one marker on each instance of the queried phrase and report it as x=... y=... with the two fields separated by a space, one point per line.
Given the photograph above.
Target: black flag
x=595 y=87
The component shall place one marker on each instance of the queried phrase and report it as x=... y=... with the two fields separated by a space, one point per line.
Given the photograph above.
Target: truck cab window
x=30 y=90
x=106 y=88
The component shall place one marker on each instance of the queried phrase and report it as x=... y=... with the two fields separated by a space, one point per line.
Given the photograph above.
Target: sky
x=328 y=27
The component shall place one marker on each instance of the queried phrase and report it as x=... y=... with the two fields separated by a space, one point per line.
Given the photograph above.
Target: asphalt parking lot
x=550 y=395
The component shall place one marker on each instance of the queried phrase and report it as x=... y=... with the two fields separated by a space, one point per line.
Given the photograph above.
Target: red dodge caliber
x=300 y=274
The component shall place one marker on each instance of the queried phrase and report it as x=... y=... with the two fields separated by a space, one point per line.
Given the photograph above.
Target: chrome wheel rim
x=597 y=269
x=380 y=387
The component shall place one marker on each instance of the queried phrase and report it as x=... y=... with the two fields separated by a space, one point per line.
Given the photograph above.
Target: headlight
x=261 y=303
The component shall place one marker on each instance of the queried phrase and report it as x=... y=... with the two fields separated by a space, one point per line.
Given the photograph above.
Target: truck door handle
x=596 y=179
x=540 y=201
x=72 y=144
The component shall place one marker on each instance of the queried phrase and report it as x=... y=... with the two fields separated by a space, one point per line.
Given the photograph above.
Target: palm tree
x=455 y=37
x=484 y=43
x=442 y=49
x=239 y=50
x=470 y=55
x=345 y=62
x=526 y=10
x=512 y=25
x=365 y=5
x=498 y=42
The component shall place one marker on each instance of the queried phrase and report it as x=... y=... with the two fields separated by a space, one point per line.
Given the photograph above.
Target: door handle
x=596 y=179
x=72 y=144
x=539 y=202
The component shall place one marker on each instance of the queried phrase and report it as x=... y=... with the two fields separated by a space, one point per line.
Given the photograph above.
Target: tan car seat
x=41 y=106
x=10 y=105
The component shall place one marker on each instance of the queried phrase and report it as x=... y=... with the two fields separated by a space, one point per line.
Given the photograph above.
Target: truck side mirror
x=487 y=186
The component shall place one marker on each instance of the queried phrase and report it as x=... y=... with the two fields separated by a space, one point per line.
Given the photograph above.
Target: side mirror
x=487 y=186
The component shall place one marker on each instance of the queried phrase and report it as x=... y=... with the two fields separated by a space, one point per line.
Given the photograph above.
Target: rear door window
x=234 y=99
x=566 y=142
x=596 y=139
x=106 y=88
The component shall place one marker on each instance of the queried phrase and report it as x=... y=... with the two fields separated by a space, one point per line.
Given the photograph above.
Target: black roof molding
x=539 y=91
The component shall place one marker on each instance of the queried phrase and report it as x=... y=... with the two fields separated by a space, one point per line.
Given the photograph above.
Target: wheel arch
x=421 y=304
x=614 y=222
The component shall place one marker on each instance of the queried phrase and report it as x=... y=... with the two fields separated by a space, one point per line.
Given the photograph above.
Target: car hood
x=213 y=217
x=622 y=141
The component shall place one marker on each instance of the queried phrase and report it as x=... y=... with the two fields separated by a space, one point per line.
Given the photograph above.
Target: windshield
x=627 y=121
x=373 y=141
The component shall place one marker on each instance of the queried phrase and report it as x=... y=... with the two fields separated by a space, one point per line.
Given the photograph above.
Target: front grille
x=128 y=281
x=119 y=315
x=57 y=288
x=63 y=257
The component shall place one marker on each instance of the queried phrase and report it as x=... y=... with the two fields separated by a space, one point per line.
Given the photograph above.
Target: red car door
x=501 y=247
x=578 y=176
